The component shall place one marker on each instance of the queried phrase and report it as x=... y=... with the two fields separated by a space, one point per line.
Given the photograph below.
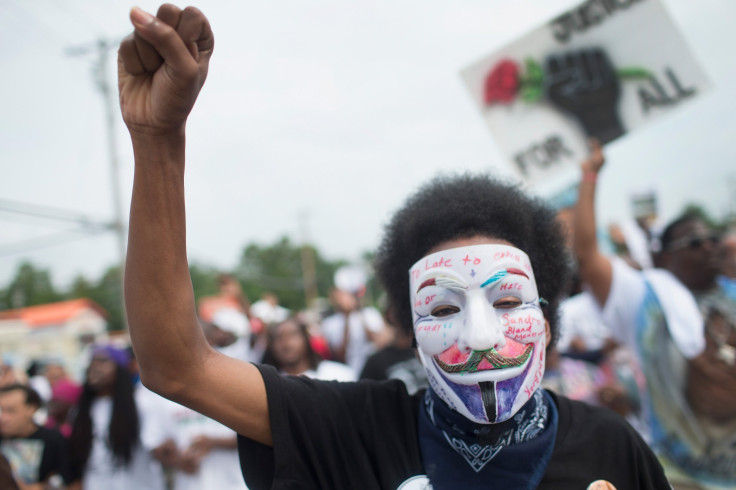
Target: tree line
x=275 y=267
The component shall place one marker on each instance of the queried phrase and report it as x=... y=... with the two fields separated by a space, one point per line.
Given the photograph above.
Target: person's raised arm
x=161 y=69
x=595 y=268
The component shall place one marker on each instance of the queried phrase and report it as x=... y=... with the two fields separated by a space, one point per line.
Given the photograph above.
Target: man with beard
x=681 y=320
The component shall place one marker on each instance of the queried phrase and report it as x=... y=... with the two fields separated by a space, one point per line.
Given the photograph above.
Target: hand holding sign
x=595 y=160
x=585 y=84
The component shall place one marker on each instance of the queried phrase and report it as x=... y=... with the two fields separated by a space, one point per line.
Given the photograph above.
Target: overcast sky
x=332 y=110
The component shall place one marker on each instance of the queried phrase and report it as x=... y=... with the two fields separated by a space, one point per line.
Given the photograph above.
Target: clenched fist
x=585 y=85
x=162 y=66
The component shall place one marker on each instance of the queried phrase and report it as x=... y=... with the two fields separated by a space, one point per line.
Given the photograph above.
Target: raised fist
x=162 y=66
x=585 y=85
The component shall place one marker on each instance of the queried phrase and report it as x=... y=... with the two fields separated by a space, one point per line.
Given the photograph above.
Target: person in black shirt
x=36 y=454
x=7 y=480
x=487 y=268
x=397 y=361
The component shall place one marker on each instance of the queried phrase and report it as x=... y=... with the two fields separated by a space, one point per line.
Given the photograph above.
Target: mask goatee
x=488 y=395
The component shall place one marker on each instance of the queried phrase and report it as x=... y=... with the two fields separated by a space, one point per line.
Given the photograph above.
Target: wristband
x=590 y=177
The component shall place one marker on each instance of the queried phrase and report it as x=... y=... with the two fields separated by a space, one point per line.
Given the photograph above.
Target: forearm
x=224 y=442
x=161 y=69
x=29 y=486
x=594 y=268
x=158 y=291
x=585 y=240
x=340 y=351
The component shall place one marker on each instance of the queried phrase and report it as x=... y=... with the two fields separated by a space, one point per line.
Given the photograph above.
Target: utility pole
x=101 y=77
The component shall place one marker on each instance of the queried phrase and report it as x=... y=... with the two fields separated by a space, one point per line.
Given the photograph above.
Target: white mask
x=479 y=328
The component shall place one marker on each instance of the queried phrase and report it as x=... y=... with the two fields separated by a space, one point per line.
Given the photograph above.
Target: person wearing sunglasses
x=680 y=318
x=695 y=241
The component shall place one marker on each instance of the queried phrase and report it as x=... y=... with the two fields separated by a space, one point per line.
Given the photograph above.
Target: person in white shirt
x=206 y=451
x=352 y=331
x=229 y=333
x=680 y=319
x=268 y=310
x=114 y=436
x=291 y=352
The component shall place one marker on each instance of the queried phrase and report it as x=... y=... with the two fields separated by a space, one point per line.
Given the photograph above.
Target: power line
x=44 y=241
x=49 y=213
x=29 y=221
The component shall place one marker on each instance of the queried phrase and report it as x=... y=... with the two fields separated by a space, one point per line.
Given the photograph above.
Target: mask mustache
x=496 y=360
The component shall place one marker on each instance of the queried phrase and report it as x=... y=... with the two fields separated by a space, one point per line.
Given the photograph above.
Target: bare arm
x=595 y=268
x=160 y=72
x=29 y=486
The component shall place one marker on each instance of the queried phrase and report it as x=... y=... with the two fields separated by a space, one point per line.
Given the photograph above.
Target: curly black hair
x=463 y=206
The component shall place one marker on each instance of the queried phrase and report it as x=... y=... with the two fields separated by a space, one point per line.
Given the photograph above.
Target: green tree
x=278 y=268
x=30 y=286
x=374 y=292
x=80 y=288
x=204 y=280
x=700 y=212
x=106 y=292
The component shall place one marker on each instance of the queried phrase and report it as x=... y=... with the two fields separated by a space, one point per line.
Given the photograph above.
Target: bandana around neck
x=457 y=452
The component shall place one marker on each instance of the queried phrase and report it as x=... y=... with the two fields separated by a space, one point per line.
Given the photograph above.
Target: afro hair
x=464 y=206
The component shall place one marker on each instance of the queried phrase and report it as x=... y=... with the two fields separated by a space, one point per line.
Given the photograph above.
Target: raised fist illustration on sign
x=585 y=85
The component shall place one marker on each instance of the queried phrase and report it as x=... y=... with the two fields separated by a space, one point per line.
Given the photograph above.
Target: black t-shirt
x=377 y=365
x=330 y=435
x=396 y=363
x=39 y=456
x=7 y=482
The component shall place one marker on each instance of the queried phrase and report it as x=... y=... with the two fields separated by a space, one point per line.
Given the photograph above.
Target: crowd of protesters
x=669 y=370
x=648 y=332
x=108 y=431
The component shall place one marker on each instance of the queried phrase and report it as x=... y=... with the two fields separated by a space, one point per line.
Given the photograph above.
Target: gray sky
x=332 y=109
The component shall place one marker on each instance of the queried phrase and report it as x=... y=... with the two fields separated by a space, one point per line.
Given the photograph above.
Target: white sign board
x=602 y=69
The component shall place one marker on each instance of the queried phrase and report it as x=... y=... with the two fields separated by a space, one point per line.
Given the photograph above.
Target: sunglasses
x=692 y=242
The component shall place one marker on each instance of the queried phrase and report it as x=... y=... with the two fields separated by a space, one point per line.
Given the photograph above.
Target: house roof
x=52 y=313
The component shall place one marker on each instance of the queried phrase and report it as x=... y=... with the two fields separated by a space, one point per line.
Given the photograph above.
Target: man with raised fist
x=474 y=269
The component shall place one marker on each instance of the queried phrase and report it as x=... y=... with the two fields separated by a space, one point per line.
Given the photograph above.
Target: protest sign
x=602 y=69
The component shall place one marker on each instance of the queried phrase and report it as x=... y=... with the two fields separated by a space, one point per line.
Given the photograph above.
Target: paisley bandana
x=457 y=453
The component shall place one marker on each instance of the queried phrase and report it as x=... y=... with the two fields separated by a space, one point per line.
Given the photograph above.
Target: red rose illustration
x=502 y=83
